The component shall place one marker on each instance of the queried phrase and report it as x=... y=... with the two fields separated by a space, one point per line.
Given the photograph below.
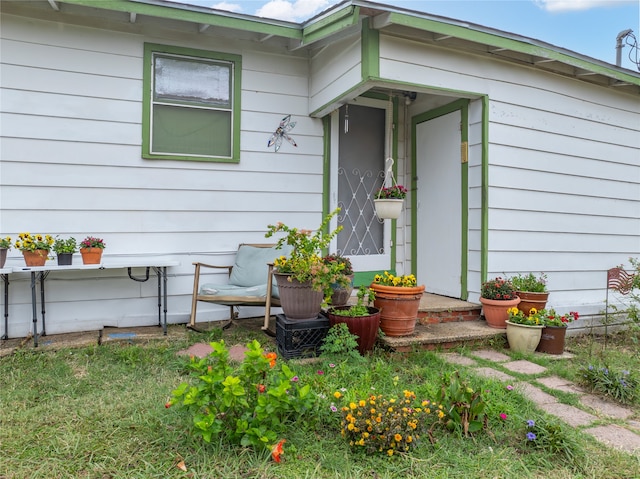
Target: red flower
x=276 y=451
x=261 y=388
x=168 y=404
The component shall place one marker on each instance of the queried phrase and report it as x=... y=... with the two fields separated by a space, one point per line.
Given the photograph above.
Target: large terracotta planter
x=299 y=301
x=35 y=258
x=495 y=311
x=388 y=209
x=365 y=327
x=91 y=255
x=530 y=300
x=552 y=340
x=398 y=308
x=523 y=338
x=3 y=257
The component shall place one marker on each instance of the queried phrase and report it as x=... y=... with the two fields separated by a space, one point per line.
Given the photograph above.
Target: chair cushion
x=250 y=267
x=233 y=290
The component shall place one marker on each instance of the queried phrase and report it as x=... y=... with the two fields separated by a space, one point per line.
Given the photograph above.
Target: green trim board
x=331 y=24
x=369 y=52
x=235 y=62
x=463 y=106
x=484 y=202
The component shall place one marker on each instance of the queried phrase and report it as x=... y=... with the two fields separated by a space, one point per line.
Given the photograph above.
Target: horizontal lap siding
x=564 y=174
x=71 y=165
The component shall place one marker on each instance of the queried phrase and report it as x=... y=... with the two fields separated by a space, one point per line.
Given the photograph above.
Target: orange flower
x=276 y=451
x=261 y=388
x=272 y=359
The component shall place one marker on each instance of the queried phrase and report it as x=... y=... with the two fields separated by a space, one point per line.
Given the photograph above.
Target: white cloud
x=575 y=5
x=291 y=11
x=229 y=7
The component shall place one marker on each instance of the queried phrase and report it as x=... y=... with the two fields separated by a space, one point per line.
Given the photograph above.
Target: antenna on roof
x=631 y=41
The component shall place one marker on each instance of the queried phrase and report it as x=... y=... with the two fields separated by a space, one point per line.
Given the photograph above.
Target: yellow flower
x=337 y=395
x=362 y=403
x=440 y=414
x=390 y=452
x=398 y=437
x=350 y=427
x=353 y=405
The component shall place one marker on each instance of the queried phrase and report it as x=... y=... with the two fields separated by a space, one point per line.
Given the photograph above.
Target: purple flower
x=295 y=379
x=320 y=372
x=333 y=408
x=332 y=365
x=531 y=423
x=509 y=387
x=531 y=436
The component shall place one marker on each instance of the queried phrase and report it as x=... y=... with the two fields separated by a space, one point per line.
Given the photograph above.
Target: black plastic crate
x=300 y=338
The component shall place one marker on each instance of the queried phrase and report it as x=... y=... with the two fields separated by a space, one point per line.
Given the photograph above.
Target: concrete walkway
x=606 y=421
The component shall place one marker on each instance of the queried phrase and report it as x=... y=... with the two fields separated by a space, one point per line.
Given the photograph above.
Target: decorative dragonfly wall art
x=286 y=125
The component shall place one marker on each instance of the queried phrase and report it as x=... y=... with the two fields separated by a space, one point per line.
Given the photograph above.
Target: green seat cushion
x=250 y=267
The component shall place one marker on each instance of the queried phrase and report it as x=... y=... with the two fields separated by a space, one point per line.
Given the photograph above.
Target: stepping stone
x=493 y=374
x=571 y=415
x=198 y=350
x=236 y=353
x=560 y=384
x=490 y=355
x=459 y=359
x=606 y=408
x=537 y=395
x=524 y=367
x=616 y=437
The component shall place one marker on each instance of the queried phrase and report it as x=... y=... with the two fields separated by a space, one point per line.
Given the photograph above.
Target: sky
x=589 y=27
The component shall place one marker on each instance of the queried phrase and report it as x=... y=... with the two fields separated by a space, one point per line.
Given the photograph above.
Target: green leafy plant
x=29 y=242
x=464 y=406
x=65 y=246
x=385 y=425
x=388 y=279
x=622 y=385
x=530 y=283
x=360 y=308
x=340 y=342
x=330 y=259
x=305 y=261
x=397 y=192
x=5 y=242
x=550 y=437
x=498 y=289
x=252 y=405
x=93 y=242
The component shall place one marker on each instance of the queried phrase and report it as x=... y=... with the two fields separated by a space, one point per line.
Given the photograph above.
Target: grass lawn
x=98 y=412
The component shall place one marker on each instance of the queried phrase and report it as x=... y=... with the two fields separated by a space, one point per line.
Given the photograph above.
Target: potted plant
x=532 y=291
x=35 y=248
x=64 y=249
x=398 y=298
x=524 y=330
x=304 y=280
x=497 y=296
x=91 y=249
x=362 y=319
x=340 y=292
x=554 y=331
x=5 y=245
x=388 y=201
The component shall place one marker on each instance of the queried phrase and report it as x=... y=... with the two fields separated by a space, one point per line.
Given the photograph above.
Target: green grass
x=99 y=412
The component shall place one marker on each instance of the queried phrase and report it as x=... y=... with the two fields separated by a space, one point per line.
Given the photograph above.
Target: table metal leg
x=161 y=273
x=34 y=307
x=43 y=275
x=159 y=276
x=5 y=278
x=164 y=276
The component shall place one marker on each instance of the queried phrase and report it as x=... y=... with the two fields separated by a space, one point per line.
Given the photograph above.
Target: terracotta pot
x=35 y=258
x=388 y=209
x=530 y=300
x=365 y=327
x=3 y=257
x=552 y=340
x=398 y=308
x=523 y=338
x=91 y=255
x=341 y=295
x=495 y=311
x=65 y=259
x=298 y=300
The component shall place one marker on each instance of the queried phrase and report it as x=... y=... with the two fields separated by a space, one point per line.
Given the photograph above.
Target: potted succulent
x=304 y=280
x=35 y=248
x=398 y=298
x=91 y=249
x=554 y=331
x=388 y=201
x=340 y=292
x=532 y=291
x=64 y=249
x=362 y=319
x=524 y=330
x=5 y=245
x=497 y=296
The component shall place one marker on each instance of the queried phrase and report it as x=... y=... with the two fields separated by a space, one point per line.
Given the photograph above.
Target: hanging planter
x=388 y=209
x=388 y=200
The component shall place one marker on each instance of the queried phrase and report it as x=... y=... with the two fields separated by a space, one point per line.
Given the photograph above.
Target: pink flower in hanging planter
x=397 y=192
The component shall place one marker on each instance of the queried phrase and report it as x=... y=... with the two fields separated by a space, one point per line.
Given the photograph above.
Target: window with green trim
x=191 y=104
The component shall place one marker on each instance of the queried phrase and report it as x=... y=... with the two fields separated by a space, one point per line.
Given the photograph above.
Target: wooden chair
x=250 y=283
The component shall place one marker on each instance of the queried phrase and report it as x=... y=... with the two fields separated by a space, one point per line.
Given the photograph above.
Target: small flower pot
x=523 y=338
x=3 y=257
x=91 y=255
x=552 y=340
x=364 y=327
x=65 y=259
x=529 y=300
x=495 y=311
x=388 y=209
x=35 y=258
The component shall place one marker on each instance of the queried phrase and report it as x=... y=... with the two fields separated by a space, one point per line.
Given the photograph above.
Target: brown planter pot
x=3 y=257
x=35 y=258
x=91 y=255
x=365 y=327
x=530 y=300
x=299 y=301
x=398 y=308
x=341 y=295
x=552 y=340
x=495 y=311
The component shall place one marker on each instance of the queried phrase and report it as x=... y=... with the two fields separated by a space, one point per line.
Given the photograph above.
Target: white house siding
x=564 y=169
x=71 y=166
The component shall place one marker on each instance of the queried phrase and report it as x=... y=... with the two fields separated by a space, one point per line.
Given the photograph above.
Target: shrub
x=463 y=406
x=340 y=342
